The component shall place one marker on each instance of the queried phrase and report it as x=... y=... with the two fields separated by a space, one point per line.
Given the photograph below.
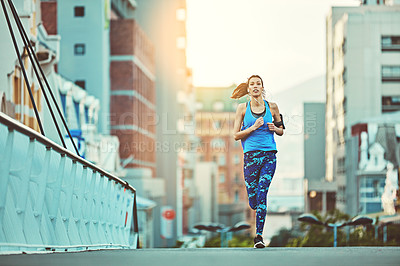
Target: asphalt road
x=377 y=256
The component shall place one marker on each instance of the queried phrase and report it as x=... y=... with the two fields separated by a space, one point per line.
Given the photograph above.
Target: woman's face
x=255 y=87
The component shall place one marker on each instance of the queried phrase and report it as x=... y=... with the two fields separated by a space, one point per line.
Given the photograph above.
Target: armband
x=280 y=123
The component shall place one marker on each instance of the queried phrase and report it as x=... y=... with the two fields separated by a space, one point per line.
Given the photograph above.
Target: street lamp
x=223 y=230
x=310 y=218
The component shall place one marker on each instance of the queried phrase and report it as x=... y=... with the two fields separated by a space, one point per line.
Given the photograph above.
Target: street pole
x=335 y=235
x=179 y=194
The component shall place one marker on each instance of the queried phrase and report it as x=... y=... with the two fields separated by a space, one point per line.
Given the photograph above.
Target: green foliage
x=320 y=236
x=241 y=241
x=282 y=238
x=236 y=241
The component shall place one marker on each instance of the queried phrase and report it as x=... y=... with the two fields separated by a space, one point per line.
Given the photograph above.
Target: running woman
x=256 y=122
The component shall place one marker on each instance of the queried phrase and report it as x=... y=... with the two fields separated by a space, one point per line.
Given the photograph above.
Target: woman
x=259 y=147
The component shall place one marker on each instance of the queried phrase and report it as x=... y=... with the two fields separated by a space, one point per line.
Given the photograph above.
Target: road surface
x=377 y=256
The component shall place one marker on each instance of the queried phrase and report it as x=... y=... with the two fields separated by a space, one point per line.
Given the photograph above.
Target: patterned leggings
x=259 y=168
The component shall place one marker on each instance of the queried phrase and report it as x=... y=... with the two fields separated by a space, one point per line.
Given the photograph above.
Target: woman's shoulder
x=242 y=106
x=272 y=105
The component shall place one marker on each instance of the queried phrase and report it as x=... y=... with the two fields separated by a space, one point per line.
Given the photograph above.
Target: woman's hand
x=259 y=122
x=271 y=127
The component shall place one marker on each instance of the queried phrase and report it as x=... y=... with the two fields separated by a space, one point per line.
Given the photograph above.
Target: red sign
x=169 y=214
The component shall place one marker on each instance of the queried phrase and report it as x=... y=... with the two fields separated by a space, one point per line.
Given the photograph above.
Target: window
x=390 y=43
x=79 y=11
x=79 y=49
x=81 y=83
x=236 y=159
x=341 y=166
x=221 y=160
x=181 y=14
x=217 y=143
x=217 y=125
x=237 y=178
x=390 y=103
x=236 y=143
x=375 y=185
x=236 y=196
x=181 y=42
x=222 y=178
x=390 y=73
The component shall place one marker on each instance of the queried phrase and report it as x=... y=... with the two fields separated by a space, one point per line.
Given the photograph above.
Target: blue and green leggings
x=259 y=168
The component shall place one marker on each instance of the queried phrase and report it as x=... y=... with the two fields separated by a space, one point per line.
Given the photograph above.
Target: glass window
x=236 y=159
x=236 y=196
x=217 y=143
x=222 y=160
x=181 y=42
x=79 y=11
x=391 y=73
x=217 y=124
x=79 y=49
x=221 y=177
x=390 y=43
x=180 y=14
x=237 y=178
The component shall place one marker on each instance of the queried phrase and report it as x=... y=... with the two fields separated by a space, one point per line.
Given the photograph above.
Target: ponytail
x=241 y=90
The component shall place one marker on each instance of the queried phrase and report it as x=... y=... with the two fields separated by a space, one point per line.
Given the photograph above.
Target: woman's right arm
x=237 y=134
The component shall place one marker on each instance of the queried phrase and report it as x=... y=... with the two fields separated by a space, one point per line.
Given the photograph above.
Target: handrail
x=16 y=125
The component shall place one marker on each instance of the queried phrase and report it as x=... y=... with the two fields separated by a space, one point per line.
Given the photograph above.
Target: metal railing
x=52 y=199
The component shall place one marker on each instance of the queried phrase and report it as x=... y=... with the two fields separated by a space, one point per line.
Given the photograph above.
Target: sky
x=283 y=41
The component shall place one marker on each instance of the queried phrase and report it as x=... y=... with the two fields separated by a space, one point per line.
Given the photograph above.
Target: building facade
x=215 y=118
x=14 y=95
x=85 y=49
x=165 y=25
x=133 y=95
x=363 y=79
x=319 y=194
x=376 y=150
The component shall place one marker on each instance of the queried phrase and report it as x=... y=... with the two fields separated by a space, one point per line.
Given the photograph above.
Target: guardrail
x=52 y=199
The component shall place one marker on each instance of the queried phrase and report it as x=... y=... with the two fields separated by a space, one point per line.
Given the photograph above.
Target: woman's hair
x=241 y=90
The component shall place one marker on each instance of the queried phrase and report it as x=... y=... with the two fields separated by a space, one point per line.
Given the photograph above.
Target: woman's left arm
x=277 y=118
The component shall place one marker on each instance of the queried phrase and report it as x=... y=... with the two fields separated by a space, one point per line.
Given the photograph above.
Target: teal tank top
x=261 y=139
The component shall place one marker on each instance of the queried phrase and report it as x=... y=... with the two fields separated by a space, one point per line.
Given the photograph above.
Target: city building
x=85 y=49
x=133 y=96
x=165 y=25
x=362 y=80
x=215 y=118
x=204 y=208
x=319 y=194
x=376 y=148
x=14 y=95
x=104 y=33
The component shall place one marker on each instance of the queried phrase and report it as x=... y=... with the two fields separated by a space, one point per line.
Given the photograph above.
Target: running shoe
x=259 y=242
